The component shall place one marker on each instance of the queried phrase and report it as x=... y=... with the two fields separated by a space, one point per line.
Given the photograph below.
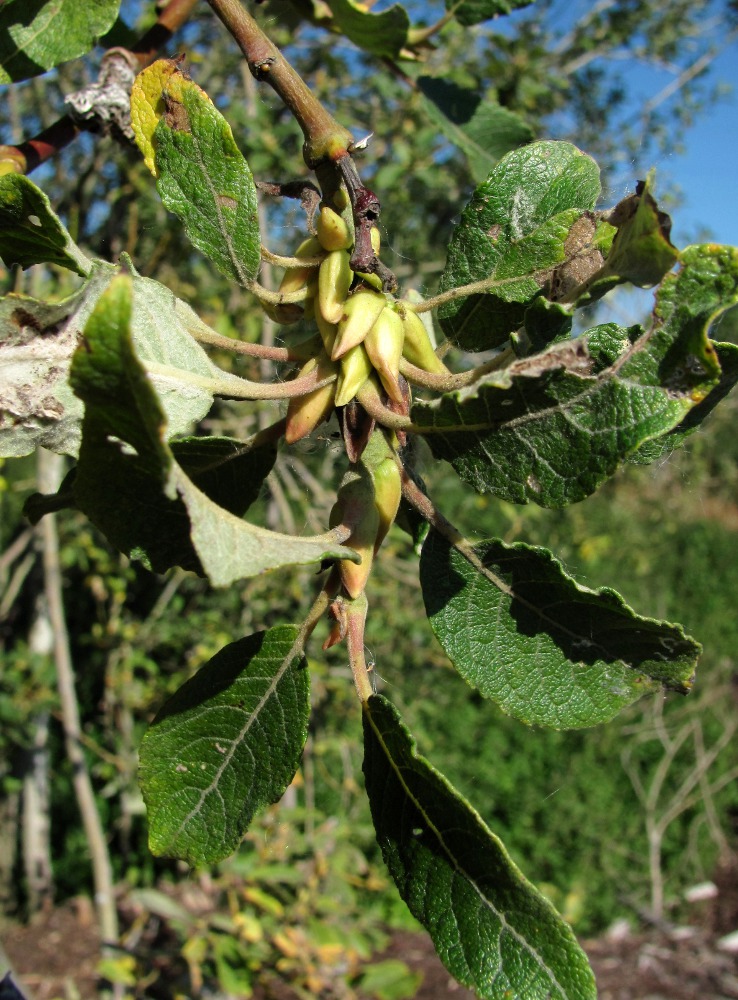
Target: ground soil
x=56 y=956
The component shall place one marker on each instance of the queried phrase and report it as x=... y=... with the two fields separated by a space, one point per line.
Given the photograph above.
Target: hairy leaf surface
x=36 y=35
x=493 y=931
x=30 y=230
x=201 y=174
x=514 y=232
x=37 y=407
x=482 y=129
x=37 y=340
x=129 y=484
x=225 y=745
x=548 y=651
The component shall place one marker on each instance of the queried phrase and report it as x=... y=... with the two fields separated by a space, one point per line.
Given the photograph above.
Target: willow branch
x=324 y=137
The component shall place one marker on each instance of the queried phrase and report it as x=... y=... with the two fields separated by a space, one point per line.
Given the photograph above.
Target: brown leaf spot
x=494 y=232
x=225 y=201
x=22 y=318
x=582 y=259
x=176 y=115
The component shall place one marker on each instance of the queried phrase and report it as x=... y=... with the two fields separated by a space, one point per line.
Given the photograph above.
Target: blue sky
x=707 y=172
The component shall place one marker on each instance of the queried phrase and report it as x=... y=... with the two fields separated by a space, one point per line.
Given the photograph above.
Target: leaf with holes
x=548 y=651
x=225 y=745
x=492 y=929
x=37 y=406
x=30 y=230
x=514 y=233
x=201 y=174
x=641 y=252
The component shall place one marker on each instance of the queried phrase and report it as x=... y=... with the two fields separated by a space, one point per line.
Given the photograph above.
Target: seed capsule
x=370 y=279
x=387 y=496
x=297 y=277
x=355 y=506
x=384 y=344
x=360 y=313
x=334 y=280
x=355 y=370
x=327 y=331
x=417 y=347
x=333 y=231
x=305 y=413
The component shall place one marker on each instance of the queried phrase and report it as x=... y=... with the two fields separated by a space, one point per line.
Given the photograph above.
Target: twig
x=355 y=617
x=324 y=137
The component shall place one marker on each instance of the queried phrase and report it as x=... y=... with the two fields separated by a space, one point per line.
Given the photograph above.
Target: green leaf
x=30 y=230
x=548 y=651
x=202 y=175
x=37 y=407
x=468 y=12
x=641 y=252
x=482 y=129
x=698 y=297
x=381 y=34
x=129 y=484
x=228 y=472
x=661 y=447
x=225 y=745
x=36 y=35
x=544 y=323
x=556 y=435
x=514 y=232
x=493 y=931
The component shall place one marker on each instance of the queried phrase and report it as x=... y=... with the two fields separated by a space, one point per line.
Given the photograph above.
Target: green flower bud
x=356 y=508
x=333 y=231
x=417 y=348
x=384 y=344
x=387 y=495
x=355 y=370
x=360 y=312
x=334 y=280
x=305 y=413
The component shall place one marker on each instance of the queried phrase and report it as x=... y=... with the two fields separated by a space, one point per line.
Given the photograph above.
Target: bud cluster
x=365 y=332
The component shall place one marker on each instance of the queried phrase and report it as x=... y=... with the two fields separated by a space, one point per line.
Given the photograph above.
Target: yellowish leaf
x=148 y=105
